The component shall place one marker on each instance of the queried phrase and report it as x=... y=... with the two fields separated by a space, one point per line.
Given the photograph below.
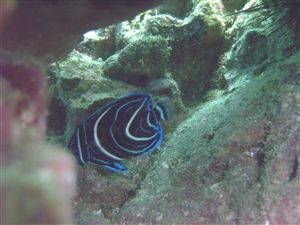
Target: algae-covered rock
x=153 y=44
x=244 y=54
x=99 y=43
x=192 y=62
x=233 y=160
x=243 y=155
x=78 y=88
x=80 y=81
x=140 y=61
x=176 y=8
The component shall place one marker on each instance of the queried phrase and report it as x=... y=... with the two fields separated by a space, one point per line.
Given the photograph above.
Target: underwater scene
x=183 y=112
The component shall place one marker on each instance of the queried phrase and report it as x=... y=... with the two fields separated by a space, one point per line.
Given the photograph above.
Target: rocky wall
x=234 y=159
x=38 y=178
x=231 y=149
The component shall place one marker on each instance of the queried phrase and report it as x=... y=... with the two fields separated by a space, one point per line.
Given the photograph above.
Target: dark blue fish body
x=127 y=127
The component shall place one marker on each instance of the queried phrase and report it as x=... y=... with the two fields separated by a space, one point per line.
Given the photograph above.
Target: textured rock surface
x=36 y=184
x=98 y=43
x=233 y=6
x=39 y=189
x=75 y=96
x=192 y=63
x=23 y=102
x=152 y=53
x=140 y=61
x=38 y=179
x=155 y=45
x=234 y=160
x=234 y=164
x=51 y=29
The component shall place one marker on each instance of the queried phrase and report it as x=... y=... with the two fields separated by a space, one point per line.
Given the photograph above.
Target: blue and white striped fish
x=127 y=127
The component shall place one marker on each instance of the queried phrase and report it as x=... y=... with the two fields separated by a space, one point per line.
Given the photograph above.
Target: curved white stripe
x=127 y=132
x=79 y=147
x=161 y=112
x=143 y=128
x=119 y=145
x=101 y=148
x=135 y=151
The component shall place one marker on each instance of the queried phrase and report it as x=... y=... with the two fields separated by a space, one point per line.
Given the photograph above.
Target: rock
x=56 y=118
x=239 y=149
x=140 y=61
x=233 y=160
x=40 y=181
x=7 y=8
x=233 y=6
x=168 y=94
x=80 y=81
x=244 y=54
x=191 y=39
x=99 y=43
x=23 y=103
x=98 y=192
x=250 y=160
x=176 y=8
x=192 y=62
x=37 y=29
x=42 y=186
x=80 y=87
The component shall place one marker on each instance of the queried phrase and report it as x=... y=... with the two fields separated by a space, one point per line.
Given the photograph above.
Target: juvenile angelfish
x=127 y=127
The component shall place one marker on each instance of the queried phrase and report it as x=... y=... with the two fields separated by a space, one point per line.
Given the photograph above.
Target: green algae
x=141 y=60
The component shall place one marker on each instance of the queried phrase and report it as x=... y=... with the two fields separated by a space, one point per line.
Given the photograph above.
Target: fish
x=127 y=127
